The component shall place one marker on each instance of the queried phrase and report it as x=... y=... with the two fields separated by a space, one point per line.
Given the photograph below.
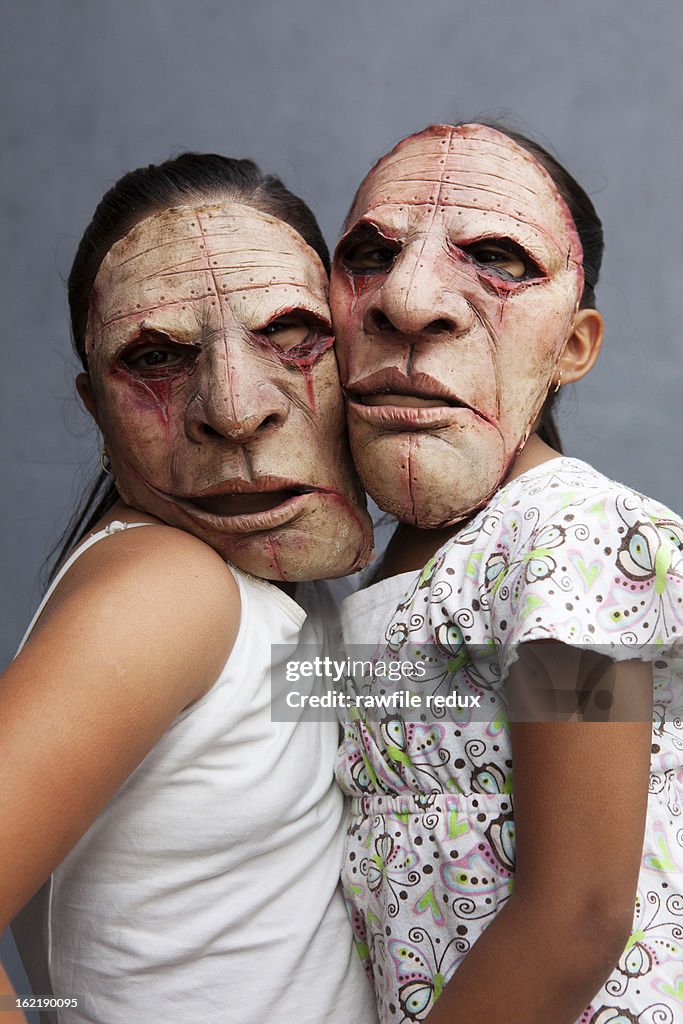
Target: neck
x=411 y=546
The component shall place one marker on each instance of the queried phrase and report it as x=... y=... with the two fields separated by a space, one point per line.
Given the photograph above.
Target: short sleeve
x=601 y=567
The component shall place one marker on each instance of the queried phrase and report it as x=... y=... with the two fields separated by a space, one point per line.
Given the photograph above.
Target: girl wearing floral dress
x=515 y=855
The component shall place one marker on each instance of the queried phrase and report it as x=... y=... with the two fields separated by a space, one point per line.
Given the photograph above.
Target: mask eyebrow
x=365 y=231
x=148 y=334
x=311 y=316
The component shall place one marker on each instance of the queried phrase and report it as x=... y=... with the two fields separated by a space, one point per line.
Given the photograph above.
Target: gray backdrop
x=316 y=92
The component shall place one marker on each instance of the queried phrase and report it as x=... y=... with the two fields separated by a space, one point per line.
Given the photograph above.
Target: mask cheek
x=347 y=304
x=335 y=456
x=141 y=436
x=328 y=402
x=527 y=361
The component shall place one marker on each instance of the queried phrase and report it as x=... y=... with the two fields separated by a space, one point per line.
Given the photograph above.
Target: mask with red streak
x=454 y=292
x=216 y=389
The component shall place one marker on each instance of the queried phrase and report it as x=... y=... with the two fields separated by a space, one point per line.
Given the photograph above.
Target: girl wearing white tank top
x=169 y=852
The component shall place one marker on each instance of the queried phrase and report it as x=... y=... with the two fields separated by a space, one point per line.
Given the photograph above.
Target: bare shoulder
x=155 y=592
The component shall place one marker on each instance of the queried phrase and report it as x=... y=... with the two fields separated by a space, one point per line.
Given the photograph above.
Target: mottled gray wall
x=317 y=91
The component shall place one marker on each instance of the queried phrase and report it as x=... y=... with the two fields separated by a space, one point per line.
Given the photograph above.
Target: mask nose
x=234 y=400
x=424 y=293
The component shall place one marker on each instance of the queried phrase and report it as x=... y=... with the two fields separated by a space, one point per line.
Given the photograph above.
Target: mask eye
x=504 y=256
x=289 y=331
x=368 y=258
x=367 y=252
x=156 y=354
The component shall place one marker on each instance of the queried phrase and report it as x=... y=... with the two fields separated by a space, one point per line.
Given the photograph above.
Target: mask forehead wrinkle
x=246 y=240
x=189 y=254
x=400 y=176
x=485 y=184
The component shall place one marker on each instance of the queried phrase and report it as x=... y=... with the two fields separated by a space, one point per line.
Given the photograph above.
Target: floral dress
x=560 y=553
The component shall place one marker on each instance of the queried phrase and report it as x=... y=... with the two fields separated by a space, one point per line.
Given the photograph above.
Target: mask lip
x=392 y=379
x=282 y=514
x=411 y=419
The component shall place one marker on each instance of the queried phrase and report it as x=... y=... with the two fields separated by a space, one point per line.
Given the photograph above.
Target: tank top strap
x=116 y=526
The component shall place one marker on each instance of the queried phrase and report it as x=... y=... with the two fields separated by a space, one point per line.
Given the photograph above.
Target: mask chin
x=432 y=481
x=447 y=487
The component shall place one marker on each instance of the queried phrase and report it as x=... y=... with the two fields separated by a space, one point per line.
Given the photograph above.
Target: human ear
x=85 y=391
x=582 y=347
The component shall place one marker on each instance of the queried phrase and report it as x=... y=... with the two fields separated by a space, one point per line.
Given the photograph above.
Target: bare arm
x=580 y=795
x=139 y=628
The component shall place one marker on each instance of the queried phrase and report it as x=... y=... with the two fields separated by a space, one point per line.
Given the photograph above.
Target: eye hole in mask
x=290 y=330
x=154 y=355
x=504 y=257
x=366 y=251
x=298 y=336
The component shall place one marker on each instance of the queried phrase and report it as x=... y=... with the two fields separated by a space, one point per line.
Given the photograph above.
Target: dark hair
x=189 y=178
x=589 y=229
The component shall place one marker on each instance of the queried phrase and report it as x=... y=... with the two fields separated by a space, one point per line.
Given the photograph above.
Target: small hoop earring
x=105 y=462
x=558 y=385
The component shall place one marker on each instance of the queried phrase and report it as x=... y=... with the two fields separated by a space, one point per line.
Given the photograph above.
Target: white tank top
x=208 y=888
